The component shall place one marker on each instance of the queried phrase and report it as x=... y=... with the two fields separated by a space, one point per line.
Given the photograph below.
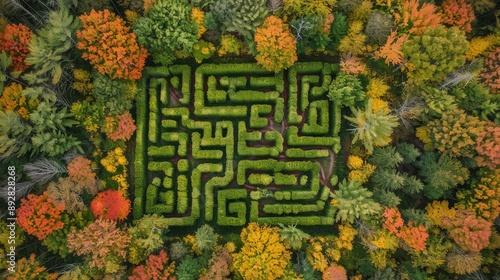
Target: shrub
x=167 y=28
x=14 y=39
x=262 y=256
x=39 y=215
x=102 y=243
x=434 y=54
x=276 y=47
x=110 y=47
x=111 y=205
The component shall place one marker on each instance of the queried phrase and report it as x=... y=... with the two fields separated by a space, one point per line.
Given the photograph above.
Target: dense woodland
x=416 y=189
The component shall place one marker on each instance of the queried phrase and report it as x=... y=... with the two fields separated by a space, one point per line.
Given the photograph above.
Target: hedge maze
x=233 y=143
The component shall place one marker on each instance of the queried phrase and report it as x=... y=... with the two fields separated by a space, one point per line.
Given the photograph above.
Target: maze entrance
x=238 y=145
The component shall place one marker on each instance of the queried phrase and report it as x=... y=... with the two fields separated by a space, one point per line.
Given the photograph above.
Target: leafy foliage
x=263 y=256
x=39 y=215
x=102 y=243
x=353 y=201
x=346 y=90
x=111 y=205
x=165 y=28
x=471 y=233
x=463 y=263
x=293 y=236
x=334 y=272
x=488 y=146
x=188 y=269
x=109 y=46
x=417 y=18
x=80 y=172
x=121 y=127
x=156 y=267
x=457 y=13
x=372 y=128
x=242 y=16
x=338 y=29
x=30 y=268
x=490 y=73
x=49 y=46
x=205 y=238
x=67 y=193
x=434 y=54
x=454 y=134
x=483 y=195
x=276 y=47
x=392 y=50
x=147 y=235
x=219 y=265
x=301 y=8
x=354 y=42
x=308 y=35
x=14 y=40
x=12 y=99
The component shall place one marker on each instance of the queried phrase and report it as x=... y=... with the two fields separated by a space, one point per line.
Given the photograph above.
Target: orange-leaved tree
x=156 y=267
x=276 y=46
x=417 y=20
x=110 y=204
x=14 y=41
x=120 y=127
x=471 y=233
x=110 y=46
x=488 y=146
x=457 y=13
x=80 y=172
x=39 y=215
x=491 y=72
x=392 y=50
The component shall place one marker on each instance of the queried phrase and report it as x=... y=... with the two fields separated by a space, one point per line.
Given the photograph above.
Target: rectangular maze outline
x=229 y=195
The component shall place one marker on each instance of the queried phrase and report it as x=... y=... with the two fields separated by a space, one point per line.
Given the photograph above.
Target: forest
x=250 y=139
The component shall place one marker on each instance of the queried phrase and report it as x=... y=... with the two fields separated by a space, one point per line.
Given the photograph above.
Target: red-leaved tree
x=14 y=41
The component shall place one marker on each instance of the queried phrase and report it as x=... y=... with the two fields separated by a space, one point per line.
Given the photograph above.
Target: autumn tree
x=483 y=196
x=434 y=54
x=13 y=99
x=102 y=244
x=80 y=171
x=490 y=74
x=262 y=256
x=109 y=45
x=488 y=146
x=470 y=232
x=68 y=193
x=417 y=18
x=276 y=46
x=455 y=133
x=110 y=205
x=147 y=235
x=39 y=215
x=120 y=127
x=392 y=50
x=14 y=40
x=457 y=13
x=156 y=267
